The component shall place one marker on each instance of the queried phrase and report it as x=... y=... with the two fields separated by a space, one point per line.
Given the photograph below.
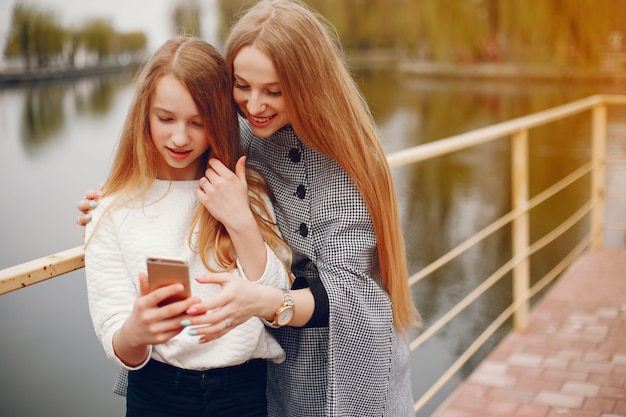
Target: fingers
x=83 y=220
x=210 y=330
x=217 y=166
x=150 y=324
x=219 y=278
x=217 y=170
x=203 y=184
x=219 y=301
x=221 y=313
x=210 y=177
x=240 y=169
x=93 y=194
x=166 y=295
x=144 y=285
x=86 y=205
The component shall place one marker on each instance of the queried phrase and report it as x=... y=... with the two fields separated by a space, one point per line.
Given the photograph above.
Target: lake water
x=58 y=141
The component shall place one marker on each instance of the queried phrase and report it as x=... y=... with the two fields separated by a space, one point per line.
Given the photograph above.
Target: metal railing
x=516 y=131
x=519 y=264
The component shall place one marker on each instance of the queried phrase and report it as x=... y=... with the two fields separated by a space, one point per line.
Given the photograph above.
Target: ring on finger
x=227 y=322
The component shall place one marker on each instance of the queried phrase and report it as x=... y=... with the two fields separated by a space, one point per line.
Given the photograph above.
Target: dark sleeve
x=307 y=276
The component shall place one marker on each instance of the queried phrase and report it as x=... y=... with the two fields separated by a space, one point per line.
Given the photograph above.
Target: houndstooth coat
x=359 y=364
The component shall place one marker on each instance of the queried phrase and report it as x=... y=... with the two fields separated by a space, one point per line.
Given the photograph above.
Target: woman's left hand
x=238 y=301
x=224 y=193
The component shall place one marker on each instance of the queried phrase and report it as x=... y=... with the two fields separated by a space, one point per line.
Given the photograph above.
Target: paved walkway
x=570 y=362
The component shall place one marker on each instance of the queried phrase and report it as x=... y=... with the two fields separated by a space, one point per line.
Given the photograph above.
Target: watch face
x=285 y=316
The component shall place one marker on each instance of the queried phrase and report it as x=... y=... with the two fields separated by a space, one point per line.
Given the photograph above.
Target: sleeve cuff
x=274 y=275
x=307 y=276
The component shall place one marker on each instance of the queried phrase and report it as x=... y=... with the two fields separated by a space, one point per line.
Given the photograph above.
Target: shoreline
x=507 y=71
x=485 y=70
x=12 y=78
x=406 y=67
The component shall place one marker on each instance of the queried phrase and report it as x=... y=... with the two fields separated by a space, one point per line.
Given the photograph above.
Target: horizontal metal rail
x=479 y=136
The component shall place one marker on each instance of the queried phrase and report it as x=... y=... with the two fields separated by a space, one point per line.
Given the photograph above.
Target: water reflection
x=95 y=96
x=44 y=114
x=42 y=117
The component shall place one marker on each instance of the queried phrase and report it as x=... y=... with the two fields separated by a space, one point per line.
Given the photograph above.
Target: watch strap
x=287 y=302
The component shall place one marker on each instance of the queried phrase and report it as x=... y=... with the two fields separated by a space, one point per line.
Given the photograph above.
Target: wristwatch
x=284 y=314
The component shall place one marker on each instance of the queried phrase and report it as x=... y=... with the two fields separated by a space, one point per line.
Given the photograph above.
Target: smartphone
x=164 y=271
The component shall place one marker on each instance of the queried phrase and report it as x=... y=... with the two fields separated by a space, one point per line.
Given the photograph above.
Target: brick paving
x=570 y=362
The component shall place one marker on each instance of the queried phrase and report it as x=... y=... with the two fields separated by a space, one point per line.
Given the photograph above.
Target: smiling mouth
x=179 y=153
x=260 y=120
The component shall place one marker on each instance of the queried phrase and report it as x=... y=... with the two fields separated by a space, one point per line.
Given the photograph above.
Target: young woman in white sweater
x=163 y=197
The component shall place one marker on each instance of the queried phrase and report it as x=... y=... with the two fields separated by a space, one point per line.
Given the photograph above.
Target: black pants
x=161 y=390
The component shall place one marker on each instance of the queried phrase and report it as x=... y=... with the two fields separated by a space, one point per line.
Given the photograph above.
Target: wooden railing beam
x=32 y=272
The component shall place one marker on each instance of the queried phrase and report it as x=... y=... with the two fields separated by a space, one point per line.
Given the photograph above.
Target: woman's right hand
x=149 y=324
x=89 y=203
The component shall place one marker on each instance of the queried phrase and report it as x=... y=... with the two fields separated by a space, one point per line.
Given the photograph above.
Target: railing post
x=520 y=228
x=598 y=156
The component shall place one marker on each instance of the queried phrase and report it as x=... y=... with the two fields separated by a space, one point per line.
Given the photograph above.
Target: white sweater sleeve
x=275 y=273
x=111 y=290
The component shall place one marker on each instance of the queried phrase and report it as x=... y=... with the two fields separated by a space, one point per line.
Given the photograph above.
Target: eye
x=164 y=119
x=241 y=86
x=274 y=93
x=198 y=124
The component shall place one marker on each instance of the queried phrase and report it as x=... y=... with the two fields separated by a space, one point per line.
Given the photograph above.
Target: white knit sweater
x=117 y=252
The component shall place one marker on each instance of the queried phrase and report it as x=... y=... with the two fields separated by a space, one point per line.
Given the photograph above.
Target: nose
x=180 y=137
x=255 y=104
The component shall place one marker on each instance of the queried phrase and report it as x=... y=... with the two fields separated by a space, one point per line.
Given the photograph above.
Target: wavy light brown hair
x=201 y=69
x=328 y=112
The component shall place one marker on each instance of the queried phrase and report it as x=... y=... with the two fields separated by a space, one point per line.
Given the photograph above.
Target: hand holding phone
x=164 y=271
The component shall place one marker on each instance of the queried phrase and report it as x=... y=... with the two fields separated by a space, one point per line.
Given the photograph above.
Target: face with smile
x=257 y=92
x=177 y=130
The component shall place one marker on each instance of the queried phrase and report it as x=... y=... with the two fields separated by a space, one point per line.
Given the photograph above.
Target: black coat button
x=304 y=231
x=300 y=191
x=294 y=155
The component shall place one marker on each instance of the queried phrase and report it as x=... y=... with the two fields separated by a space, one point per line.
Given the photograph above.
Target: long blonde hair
x=328 y=112
x=201 y=69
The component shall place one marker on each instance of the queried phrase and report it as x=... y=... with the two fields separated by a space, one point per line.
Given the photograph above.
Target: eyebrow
x=198 y=115
x=162 y=109
x=273 y=83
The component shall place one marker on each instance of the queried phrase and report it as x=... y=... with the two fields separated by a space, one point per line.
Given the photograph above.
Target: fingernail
x=93 y=204
x=192 y=332
x=185 y=322
x=87 y=217
x=99 y=194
